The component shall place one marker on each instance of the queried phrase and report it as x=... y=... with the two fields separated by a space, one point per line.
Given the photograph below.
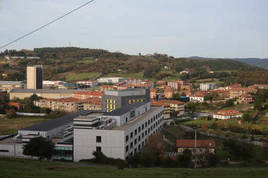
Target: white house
x=227 y=114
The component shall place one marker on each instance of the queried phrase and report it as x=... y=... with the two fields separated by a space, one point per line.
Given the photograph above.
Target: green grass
x=21 y=168
x=82 y=76
x=126 y=75
x=11 y=126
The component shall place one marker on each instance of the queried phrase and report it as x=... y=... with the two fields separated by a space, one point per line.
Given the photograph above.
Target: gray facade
x=112 y=100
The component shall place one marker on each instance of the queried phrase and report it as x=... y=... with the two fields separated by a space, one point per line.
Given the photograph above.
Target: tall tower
x=34 y=77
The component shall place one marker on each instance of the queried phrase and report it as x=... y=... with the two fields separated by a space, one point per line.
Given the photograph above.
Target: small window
x=98 y=139
x=126 y=148
x=126 y=138
x=131 y=135
x=135 y=131
x=98 y=149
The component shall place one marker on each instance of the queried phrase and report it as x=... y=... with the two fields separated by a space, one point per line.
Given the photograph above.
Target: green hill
x=72 y=64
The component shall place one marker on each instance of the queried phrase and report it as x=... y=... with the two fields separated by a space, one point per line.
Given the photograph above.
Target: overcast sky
x=209 y=28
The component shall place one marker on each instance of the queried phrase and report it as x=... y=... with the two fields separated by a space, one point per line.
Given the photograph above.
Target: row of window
x=153 y=121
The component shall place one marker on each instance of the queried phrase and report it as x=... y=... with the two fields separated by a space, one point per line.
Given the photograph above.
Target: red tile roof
x=228 y=112
x=199 y=143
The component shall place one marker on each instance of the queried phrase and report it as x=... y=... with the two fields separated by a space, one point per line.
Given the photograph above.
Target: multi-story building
x=170 y=107
x=175 y=85
x=207 y=86
x=70 y=104
x=153 y=93
x=116 y=99
x=168 y=92
x=34 y=77
x=117 y=134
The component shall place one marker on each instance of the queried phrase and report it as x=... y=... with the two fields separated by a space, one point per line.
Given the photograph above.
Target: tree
x=39 y=147
x=190 y=107
x=229 y=103
x=11 y=113
x=185 y=160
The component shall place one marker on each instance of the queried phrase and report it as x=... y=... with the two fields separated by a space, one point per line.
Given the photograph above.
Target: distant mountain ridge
x=259 y=62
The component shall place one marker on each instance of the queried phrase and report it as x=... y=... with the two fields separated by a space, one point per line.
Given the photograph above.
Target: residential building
x=207 y=86
x=112 y=100
x=227 y=114
x=197 y=97
x=168 y=92
x=34 y=77
x=170 y=107
x=175 y=85
x=196 y=146
x=70 y=104
x=153 y=93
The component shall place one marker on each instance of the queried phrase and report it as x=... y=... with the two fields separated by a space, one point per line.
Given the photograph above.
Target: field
x=20 y=168
x=11 y=126
x=82 y=76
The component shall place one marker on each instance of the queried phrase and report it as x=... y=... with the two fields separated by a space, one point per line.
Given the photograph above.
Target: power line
x=43 y=26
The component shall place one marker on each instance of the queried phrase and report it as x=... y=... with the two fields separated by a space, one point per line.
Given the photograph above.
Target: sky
x=180 y=28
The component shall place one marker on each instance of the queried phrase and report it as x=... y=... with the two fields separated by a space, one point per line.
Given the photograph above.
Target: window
x=126 y=148
x=98 y=149
x=142 y=126
x=126 y=138
x=135 y=141
x=139 y=138
x=131 y=135
x=135 y=131
x=98 y=139
x=131 y=145
x=139 y=129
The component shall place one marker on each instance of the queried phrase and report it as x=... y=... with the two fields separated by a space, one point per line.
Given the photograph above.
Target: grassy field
x=126 y=75
x=11 y=126
x=21 y=168
x=82 y=76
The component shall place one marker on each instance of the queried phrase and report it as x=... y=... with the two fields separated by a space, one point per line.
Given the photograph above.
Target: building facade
x=34 y=77
x=116 y=99
x=118 y=134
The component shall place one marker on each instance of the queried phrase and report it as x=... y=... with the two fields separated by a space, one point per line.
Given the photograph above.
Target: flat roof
x=42 y=91
x=11 y=82
x=54 y=123
x=139 y=118
x=127 y=92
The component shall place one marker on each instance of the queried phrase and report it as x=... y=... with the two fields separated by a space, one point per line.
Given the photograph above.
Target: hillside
x=258 y=62
x=72 y=64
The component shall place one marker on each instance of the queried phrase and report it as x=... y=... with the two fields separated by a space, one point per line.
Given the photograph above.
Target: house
x=170 y=107
x=152 y=93
x=207 y=86
x=227 y=114
x=197 y=97
x=87 y=94
x=196 y=146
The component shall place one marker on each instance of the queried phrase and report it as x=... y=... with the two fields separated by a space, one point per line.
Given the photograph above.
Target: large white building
x=207 y=86
x=110 y=79
x=117 y=134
